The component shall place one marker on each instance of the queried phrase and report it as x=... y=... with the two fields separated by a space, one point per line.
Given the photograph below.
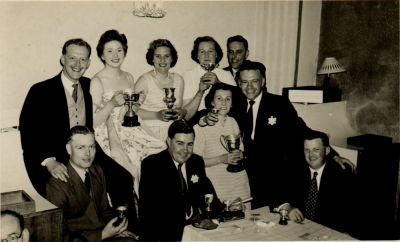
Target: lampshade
x=330 y=65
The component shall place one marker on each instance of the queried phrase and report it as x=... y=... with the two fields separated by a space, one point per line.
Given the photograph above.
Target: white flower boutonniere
x=194 y=179
x=272 y=120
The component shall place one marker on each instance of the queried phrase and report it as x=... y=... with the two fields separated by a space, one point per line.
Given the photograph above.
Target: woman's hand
x=118 y=99
x=234 y=157
x=208 y=79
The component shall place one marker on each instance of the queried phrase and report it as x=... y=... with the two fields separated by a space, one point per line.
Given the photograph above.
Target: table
x=265 y=229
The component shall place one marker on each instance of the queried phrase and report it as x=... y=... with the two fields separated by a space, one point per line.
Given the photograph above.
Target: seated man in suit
x=172 y=187
x=12 y=227
x=322 y=190
x=87 y=214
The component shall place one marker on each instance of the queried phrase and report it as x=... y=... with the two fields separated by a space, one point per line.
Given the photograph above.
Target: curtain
x=276 y=41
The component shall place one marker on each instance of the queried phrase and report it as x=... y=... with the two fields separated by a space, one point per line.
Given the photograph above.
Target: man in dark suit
x=238 y=51
x=173 y=186
x=327 y=198
x=272 y=135
x=87 y=214
x=50 y=109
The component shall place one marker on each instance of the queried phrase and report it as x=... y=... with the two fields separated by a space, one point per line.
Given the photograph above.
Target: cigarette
x=243 y=201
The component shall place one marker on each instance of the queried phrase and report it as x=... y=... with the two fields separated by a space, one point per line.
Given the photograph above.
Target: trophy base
x=235 y=168
x=172 y=114
x=131 y=121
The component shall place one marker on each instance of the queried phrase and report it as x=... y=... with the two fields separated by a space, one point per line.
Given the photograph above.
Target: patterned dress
x=207 y=144
x=130 y=144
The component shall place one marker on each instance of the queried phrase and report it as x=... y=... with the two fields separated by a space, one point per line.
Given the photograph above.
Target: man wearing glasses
x=12 y=227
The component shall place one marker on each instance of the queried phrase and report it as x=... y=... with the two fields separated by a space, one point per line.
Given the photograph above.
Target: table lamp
x=329 y=66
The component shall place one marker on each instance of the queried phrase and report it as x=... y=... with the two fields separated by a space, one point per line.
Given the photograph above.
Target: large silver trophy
x=169 y=100
x=231 y=143
x=130 y=118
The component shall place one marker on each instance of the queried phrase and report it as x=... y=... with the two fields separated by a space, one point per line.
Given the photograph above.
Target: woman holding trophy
x=113 y=98
x=163 y=90
x=221 y=147
x=207 y=53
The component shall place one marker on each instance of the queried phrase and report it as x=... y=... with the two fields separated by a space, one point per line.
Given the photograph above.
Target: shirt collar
x=67 y=83
x=319 y=170
x=81 y=172
x=257 y=100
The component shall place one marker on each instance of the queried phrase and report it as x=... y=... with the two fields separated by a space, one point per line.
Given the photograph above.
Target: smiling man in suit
x=51 y=108
x=322 y=190
x=173 y=186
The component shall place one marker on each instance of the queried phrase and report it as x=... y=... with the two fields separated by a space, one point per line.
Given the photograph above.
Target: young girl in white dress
x=153 y=112
x=126 y=145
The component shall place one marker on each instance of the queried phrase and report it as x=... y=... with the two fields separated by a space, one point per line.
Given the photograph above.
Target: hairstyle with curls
x=196 y=44
x=161 y=43
x=79 y=129
x=78 y=42
x=220 y=86
x=180 y=126
x=315 y=134
x=237 y=38
x=16 y=215
x=108 y=36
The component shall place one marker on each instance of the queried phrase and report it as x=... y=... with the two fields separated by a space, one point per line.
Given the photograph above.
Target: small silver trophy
x=121 y=215
x=169 y=100
x=231 y=143
x=209 y=66
x=130 y=118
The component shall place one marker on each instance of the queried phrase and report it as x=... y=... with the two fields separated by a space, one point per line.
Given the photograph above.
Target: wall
x=364 y=36
x=32 y=34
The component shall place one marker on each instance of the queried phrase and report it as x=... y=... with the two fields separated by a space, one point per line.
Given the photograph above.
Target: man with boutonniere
x=172 y=187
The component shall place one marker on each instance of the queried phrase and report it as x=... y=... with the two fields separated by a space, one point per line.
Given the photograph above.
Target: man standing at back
x=50 y=109
x=238 y=51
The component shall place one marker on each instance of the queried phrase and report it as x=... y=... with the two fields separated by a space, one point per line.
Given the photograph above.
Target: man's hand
x=296 y=215
x=57 y=170
x=341 y=161
x=111 y=231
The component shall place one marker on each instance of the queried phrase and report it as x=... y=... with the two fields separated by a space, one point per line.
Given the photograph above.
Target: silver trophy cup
x=130 y=118
x=209 y=66
x=231 y=143
x=169 y=100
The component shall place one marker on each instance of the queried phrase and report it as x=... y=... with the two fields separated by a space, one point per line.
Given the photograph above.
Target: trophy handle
x=223 y=142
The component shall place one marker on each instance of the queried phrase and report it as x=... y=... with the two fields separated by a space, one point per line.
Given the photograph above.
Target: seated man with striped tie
x=322 y=190
x=87 y=214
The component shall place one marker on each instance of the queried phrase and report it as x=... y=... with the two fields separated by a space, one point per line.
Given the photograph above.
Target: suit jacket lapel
x=78 y=186
x=61 y=101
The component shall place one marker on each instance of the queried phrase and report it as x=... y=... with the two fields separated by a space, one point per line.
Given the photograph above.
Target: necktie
x=75 y=92
x=184 y=189
x=312 y=198
x=87 y=181
x=249 y=121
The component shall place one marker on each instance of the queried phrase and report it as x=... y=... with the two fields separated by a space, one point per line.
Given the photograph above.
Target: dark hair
x=253 y=65
x=237 y=38
x=314 y=134
x=108 y=36
x=161 y=43
x=79 y=42
x=179 y=126
x=206 y=39
x=217 y=86
x=79 y=129
x=16 y=215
